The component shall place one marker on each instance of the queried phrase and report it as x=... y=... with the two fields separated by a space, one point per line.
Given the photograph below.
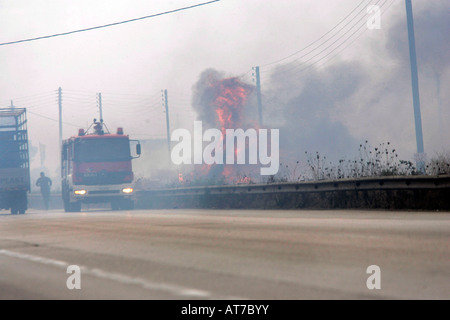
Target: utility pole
x=438 y=93
x=60 y=117
x=258 y=95
x=166 y=106
x=100 y=106
x=420 y=157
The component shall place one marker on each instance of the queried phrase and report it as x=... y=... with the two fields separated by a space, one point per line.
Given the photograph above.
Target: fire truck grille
x=104 y=178
x=105 y=192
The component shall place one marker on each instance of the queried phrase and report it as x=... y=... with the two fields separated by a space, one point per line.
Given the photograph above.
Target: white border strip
x=117 y=277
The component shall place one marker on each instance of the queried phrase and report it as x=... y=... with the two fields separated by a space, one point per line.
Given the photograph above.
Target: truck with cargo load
x=96 y=168
x=14 y=160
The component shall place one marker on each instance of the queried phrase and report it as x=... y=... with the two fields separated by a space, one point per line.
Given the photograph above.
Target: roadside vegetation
x=379 y=161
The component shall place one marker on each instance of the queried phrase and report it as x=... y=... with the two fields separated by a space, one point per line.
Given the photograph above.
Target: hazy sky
x=130 y=64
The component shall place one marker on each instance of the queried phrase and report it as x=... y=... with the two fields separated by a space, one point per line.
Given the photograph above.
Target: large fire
x=223 y=105
x=230 y=98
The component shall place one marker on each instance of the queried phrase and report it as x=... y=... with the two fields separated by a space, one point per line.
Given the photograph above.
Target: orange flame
x=230 y=97
x=227 y=100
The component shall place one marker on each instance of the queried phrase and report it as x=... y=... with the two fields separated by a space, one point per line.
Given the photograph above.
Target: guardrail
x=401 y=192
x=397 y=192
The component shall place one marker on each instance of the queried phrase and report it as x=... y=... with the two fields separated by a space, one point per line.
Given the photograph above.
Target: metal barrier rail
x=359 y=184
x=401 y=192
x=405 y=192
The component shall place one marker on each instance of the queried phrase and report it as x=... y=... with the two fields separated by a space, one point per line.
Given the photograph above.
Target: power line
x=132 y=95
x=48 y=99
x=309 y=45
x=335 y=55
x=87 y=95
x=295 y=68
x=48 y=118
x=246 y=74
x=317 y=40
x=37 y=95
x=137 y=113
x=359 y=35
x=321 y=45
x=131 y=102
x=109 y=24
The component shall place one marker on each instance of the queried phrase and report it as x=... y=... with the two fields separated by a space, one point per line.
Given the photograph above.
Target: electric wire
x=55 y=120
x=336 y=54
x=109 y=24
x=359 y=35
x=315 y=41
x=296 y=67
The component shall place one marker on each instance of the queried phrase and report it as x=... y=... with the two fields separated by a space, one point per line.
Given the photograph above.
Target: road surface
x=225 y=254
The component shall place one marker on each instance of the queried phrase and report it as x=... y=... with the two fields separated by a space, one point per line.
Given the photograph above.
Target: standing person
x=45 y=183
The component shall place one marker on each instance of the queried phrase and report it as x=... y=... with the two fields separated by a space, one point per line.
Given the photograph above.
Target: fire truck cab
x=96 y=168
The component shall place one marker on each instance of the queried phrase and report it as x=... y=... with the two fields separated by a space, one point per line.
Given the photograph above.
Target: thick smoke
x=431 y=27
x=214 y=93
x=306 y=111
x=334 y=108
x=222 y=102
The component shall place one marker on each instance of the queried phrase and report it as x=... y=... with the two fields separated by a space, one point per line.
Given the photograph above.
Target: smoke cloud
x=220 y=101
x=334 y=108
x=331 y=110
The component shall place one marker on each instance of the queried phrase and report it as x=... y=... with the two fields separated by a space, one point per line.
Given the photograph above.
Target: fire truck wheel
x=72 y=207
x=115 y=205
x=76 y=207
x=66 y=204
x=127 y=204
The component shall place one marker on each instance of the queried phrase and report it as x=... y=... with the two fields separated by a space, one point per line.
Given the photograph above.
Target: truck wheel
x=128 y=204
x=72 y=207
x=66 y=206
x=76 y=206
x=14 y=210
x=115 y=205
x=23 y=207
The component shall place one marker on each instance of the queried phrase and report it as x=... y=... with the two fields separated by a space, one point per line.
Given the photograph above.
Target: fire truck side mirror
x=138 y=149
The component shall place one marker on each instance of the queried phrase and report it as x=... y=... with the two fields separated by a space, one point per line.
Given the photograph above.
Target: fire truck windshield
x=102 y=150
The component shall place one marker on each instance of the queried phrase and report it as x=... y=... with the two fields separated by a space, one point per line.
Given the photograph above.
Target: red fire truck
x=96 y=167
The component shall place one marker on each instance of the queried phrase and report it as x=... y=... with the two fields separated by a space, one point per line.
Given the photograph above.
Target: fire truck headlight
x=80 y=192
x=127 y=190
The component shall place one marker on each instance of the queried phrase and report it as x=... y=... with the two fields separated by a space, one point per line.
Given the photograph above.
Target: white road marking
x=117 y=277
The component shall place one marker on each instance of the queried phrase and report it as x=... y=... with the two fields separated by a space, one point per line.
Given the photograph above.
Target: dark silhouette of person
x=45 y=183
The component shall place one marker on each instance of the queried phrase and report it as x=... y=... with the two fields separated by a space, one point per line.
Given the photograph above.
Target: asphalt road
x=216 y=254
